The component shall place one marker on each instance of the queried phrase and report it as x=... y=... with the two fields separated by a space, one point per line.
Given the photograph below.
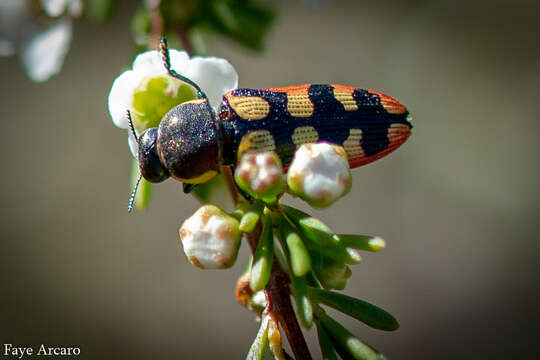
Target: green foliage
x=99 y=10
x=243 y=21
x=263 y=257
x=345 y=343
x=259 y=345
x=361 y=310
x=314 y=265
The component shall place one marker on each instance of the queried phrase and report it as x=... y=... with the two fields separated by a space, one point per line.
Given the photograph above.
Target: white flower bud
x=319 y=174
x=260 y=175
x=210 y=238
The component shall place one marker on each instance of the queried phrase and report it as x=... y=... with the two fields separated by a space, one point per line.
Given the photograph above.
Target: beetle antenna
x=130 y=121
x=133 y=193
x=164 y=51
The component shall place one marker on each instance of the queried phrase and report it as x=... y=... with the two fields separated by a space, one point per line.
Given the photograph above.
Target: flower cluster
x=312 y=255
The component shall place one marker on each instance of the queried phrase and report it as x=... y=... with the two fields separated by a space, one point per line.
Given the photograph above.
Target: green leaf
x=311 y=280
x=330 y=273
x=263 y=257
x=303 y=303
x=319 y=237
x=259 y=345
x=363 y=242
x=251 y=217
x=299 y=256
x=327 y=349
x=298 y=283
x=348 y=346
x=144 y=191
x=369 y=314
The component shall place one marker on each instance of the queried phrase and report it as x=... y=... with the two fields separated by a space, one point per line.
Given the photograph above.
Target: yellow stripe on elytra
x=299 y=104
x=258 y=140
x=250 y=107
x=352 y=143
x=346 y=99
x=304 y=135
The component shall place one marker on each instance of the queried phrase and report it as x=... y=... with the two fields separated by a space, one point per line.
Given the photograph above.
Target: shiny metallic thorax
x=187 y=142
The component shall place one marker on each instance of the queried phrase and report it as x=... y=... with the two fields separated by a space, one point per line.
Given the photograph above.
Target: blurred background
x=458 y=203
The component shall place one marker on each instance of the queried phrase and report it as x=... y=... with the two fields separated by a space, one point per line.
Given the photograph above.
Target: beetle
x=192 y=142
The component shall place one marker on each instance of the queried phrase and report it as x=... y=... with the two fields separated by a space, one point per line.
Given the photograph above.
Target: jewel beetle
x=192 y=142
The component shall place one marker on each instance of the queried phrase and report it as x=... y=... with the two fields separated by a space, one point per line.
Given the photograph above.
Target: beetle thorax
x=187 y=142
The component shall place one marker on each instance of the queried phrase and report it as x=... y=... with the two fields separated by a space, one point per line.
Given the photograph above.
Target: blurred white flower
x=55 y=8
x=149 y=92
x=42 y=49
x=210 y=238
x=319 y=174
x=44 y=55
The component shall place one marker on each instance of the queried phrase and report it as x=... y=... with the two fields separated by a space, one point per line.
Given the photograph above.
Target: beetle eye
x=149 y=164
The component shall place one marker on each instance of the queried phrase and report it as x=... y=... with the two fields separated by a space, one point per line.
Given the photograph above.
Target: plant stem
x=156 y=23
x=183 y=33
x=279 y=301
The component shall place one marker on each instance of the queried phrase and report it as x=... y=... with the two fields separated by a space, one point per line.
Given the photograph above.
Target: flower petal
x=133 y=145
x=54 y=8
x=179 y=61
x=215 y=76
x=121 y=97
x=149 y=63
x=44 y=55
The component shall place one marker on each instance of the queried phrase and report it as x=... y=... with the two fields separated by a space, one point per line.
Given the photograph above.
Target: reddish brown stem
x=157 y=23
x=279 y=302
x=183 y=33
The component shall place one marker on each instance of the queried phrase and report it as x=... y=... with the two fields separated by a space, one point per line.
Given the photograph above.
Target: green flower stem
x=348 y=346
x=263 y=257
x=369 y=314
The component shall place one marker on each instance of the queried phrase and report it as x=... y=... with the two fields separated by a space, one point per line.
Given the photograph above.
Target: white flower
x=42 y=49
x=210 y=238
x=55 y=8
x=319 y=174
x=44 y=55
x=149 y=92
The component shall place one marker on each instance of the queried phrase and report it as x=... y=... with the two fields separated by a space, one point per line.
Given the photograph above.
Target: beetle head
x=149 y=163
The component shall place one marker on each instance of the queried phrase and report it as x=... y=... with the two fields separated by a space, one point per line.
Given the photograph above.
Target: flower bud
x=319 y=174
x=260 y=175
x=210 y=238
